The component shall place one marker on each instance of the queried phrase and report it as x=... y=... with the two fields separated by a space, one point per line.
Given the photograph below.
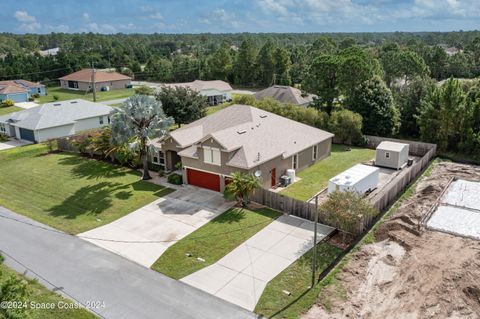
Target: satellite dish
x=258 y=173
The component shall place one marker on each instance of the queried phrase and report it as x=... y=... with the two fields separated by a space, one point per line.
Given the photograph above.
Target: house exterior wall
x=40 y=90
x=85 y=86
x=90 y=123
x=54 y=132
x=382 y=160
x=16 y=97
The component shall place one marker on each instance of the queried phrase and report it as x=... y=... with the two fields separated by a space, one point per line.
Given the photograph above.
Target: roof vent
x=57 y=104
x=73 y=102
x=347 y=176
x=241 y=132
x=263 y=116
x=348 y=183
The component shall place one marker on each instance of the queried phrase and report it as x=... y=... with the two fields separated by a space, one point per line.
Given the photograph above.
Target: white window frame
x=387 y=154
x=160 y=156
x=314 y=152
x=295 y=161
x=212 y=155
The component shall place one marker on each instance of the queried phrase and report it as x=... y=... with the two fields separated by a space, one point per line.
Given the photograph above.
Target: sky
x=223 y=16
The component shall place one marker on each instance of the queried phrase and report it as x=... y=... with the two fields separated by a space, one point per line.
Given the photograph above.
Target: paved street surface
x=241 y=276
x=145 y=234
x=85 y=272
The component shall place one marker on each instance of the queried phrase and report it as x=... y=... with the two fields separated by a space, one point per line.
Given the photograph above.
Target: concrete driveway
x=12 y=143
x=26 y=105
x=241 y=276
x=144 y=235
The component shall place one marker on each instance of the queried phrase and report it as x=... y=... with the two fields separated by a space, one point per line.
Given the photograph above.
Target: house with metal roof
x=216 y=91
x=20 y=90
x=286 y=94
x=104 y=80
x=241 y=138
x=56 y=119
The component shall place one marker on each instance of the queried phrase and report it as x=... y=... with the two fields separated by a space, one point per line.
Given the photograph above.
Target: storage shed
x=359 y=178
x=392 y=155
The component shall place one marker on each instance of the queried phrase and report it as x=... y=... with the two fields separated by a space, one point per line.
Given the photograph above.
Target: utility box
x=392 y=155
x=359 y=178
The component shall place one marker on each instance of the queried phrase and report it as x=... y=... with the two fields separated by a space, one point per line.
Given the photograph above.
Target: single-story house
x=241 y=138
x=56 y=119
x=215 y=91
x=104 y=80
x=286 y=94
x=20 y=90
x=392 y=154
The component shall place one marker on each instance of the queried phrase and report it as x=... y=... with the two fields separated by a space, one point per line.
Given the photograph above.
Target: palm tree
x=242 y=185
x=135 y=122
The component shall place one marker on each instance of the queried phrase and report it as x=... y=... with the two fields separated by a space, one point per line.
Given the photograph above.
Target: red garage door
x=203 y=179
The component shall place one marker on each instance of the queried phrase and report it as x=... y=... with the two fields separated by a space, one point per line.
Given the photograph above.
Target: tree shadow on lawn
x=233 y=215
x=91 y=200
x=92 y=169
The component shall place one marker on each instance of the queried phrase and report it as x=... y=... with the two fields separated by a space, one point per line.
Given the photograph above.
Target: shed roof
x=391 y=146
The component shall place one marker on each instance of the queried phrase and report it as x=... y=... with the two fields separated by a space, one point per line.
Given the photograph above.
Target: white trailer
x=359 y=178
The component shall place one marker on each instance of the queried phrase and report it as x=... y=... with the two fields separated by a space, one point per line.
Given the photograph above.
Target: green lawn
x=69 y=192
x=213 y=241
x=296 y=279
x=38 y=294
x=315 y=177
x=10 y=109
x=72 y=94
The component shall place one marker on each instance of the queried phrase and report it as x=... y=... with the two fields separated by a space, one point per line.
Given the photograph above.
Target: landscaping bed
x=70 y=192
x=213 y=241
x=315 y=178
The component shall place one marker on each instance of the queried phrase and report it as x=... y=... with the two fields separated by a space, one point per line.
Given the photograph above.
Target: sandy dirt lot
x=410 y=273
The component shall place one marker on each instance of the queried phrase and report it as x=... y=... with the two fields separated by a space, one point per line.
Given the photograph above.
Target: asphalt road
x=87 y=273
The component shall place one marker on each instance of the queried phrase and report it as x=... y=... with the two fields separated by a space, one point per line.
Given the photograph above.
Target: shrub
x=36 y=95
x=8 y=103
x=144 y=90
x=13 y=289
x=347 y=126
x=31 y=99
x=3 y=137
x=346 y=211
x=175 y=179
x=56 y=97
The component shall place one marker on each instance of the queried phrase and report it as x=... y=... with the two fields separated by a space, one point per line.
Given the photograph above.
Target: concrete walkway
x=13 y=143
x=144 y=235
x=241 y=276
x=84 y=272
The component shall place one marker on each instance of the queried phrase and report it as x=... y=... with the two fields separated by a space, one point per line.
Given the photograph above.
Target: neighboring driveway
x=26 y=105
x=12 y=143
x=144 y=235
x=241 y=276
x=86 y=273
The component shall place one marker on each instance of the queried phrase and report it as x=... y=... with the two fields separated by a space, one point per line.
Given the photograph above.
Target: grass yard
x=40 y=294
x=10 y=109
x=64 y=94
x=297 y=278
x=70 y=192
x=315 y=177
x=213 y=241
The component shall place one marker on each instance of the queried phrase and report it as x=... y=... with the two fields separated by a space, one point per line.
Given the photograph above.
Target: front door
x=274 y=177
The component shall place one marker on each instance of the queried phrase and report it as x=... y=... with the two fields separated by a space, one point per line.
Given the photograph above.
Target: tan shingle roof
x=85 y=75
x=255 y=135
x=199 y=85
x=17 y=86
x=285 y=94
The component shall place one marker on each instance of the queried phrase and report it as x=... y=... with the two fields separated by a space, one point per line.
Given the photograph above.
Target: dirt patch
x=410 y=272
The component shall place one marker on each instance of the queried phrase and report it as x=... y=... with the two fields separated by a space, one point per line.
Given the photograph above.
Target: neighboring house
x=241 y=138
x=286 y=94
x=20 y=90
x=49 y=52
x=82 y=80
x=215 y=91
x=56 y=119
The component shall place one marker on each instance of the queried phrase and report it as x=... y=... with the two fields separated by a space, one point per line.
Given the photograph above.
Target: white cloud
x=101 y=28
x=85 y=17
x=156 y=16
x=28 y=23
x=219 y=18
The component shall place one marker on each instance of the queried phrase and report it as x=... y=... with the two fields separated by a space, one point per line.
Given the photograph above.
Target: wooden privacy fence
x=380 y=201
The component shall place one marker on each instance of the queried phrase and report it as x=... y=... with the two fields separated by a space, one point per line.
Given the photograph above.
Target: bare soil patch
x=410 y=272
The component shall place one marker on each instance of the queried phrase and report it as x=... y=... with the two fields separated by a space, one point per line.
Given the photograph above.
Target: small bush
x=175 y=179
x=3 y=137
x=36 y=95
x=55 y=97
x=8 y=103
x=31 y=99
x=144 y=90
